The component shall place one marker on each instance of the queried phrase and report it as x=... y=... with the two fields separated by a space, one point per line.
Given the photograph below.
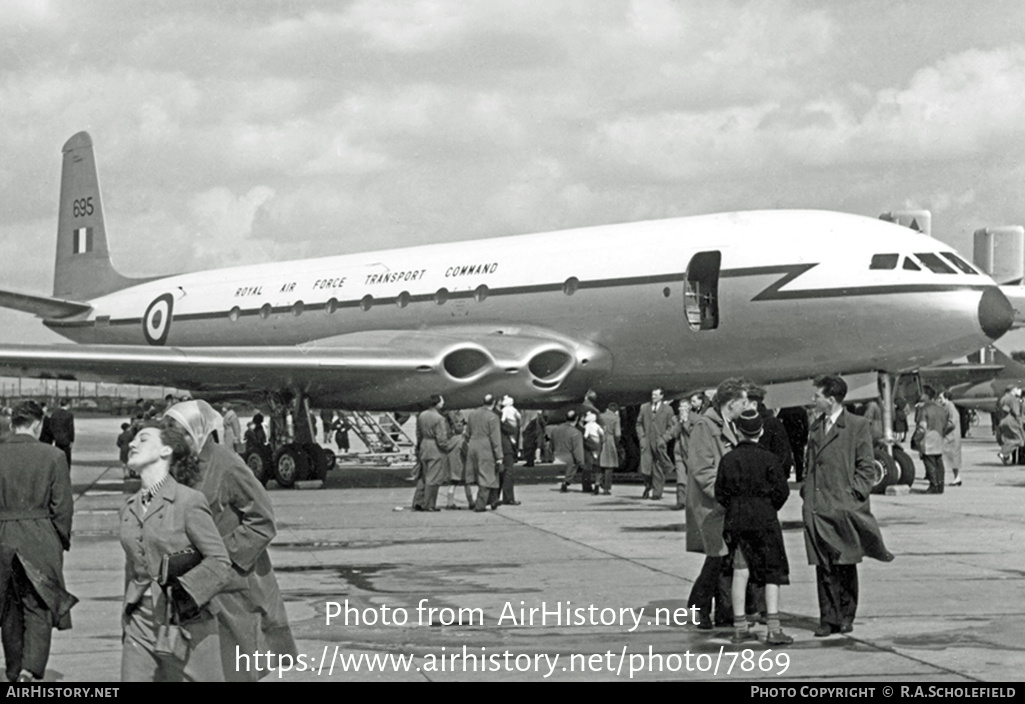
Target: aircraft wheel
x=906 y=464
x=886 y=471
x=290 y=466
x=259 y=461
x=330 y=458
x=318 y=462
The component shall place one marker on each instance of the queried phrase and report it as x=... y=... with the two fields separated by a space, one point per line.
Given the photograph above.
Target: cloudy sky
x=244 y=131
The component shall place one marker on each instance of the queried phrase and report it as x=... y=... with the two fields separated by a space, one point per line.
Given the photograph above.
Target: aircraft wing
x=372 y=370
x=42 y=306
x=948 y=375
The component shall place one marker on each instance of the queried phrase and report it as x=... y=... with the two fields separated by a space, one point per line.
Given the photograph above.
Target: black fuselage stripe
x=770 y=293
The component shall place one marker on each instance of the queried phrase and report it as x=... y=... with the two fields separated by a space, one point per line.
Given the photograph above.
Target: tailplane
x=83 y=269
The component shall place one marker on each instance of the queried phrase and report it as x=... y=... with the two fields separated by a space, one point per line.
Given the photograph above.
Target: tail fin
x=83 y=269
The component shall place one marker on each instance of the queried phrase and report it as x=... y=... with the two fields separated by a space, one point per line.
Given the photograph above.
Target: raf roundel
x=157 y=321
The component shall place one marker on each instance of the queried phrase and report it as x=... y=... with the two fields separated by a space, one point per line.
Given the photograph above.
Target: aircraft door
x=701 y=291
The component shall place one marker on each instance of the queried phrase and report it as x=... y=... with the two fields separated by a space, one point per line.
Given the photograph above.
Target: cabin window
x=959 y=263
x=366 y=303
x=480 y=293
x=910 y=265
x=234 y=314
x=402 y=300
x=884 y=261
x=298 y=308
x=571 y=285
x=331 y=306
x=441 y=296
x=935 y=264
x=701 y=291
x=265 y=311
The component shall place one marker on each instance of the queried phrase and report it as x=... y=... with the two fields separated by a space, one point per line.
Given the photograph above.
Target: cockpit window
x=959 y=262
x=884 y=261
x=935 y=264
x=910 y=265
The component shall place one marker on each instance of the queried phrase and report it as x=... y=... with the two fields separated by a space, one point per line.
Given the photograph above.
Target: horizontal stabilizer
x=41 y=305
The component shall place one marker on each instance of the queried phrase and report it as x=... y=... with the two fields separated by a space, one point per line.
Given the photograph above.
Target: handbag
x=917 y=439
x=172 y=638
x=175 y=564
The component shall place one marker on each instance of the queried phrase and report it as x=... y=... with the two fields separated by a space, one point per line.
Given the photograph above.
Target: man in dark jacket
x=774 y=435
x=839 y=528
x=35 y=530
x=62 y=429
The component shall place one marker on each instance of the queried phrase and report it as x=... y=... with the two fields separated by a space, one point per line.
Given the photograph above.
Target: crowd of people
x=729 y=456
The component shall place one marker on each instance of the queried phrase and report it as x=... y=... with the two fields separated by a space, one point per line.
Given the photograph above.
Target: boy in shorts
x=752 y=487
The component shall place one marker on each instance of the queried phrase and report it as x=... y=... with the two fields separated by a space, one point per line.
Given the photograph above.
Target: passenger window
x=884 y=261
x=909 y=265
x=935 y=264
x=959 y=262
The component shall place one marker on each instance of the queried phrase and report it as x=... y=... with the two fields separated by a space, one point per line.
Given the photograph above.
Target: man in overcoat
x=484 y=452
x=839 y=528
x=434 y=444
x=712 y=436
x=568 y=447
x=1009 y=429
x=931 y=422
x=251 y=617
x=656 y=426
x=35 y=530
x=951 y=439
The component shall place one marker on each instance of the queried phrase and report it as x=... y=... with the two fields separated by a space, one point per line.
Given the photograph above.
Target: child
x=752 y=487
x=593 y=438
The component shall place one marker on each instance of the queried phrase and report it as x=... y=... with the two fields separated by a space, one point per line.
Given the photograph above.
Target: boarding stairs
x=382 y=435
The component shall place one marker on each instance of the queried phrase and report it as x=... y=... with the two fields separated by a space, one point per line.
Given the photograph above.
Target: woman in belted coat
x=162 y=518
x=253 y=617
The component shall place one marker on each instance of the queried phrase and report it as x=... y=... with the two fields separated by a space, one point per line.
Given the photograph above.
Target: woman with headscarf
x=253 y=618
x=163 y=518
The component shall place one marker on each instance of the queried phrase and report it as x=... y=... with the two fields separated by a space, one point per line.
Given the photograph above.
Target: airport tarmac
x=949 y=609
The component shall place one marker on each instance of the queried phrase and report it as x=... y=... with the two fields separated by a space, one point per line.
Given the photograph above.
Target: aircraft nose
x=996 y=314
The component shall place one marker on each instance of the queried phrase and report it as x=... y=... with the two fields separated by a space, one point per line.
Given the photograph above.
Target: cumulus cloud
x=229 y=134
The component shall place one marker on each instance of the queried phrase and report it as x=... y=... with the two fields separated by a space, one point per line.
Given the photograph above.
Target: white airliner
x=679 y=303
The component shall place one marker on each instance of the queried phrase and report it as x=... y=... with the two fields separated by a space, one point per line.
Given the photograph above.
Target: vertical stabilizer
x=83 y=269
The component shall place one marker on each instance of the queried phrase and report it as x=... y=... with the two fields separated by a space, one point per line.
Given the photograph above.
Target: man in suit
x=433 y=446
x=484 y=452
x=35 y=530
x=839 y=528
x=62 y=429
x=656 y=426
x=931 y=422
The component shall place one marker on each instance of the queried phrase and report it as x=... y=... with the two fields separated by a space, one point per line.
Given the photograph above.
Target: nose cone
x=996 y=314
